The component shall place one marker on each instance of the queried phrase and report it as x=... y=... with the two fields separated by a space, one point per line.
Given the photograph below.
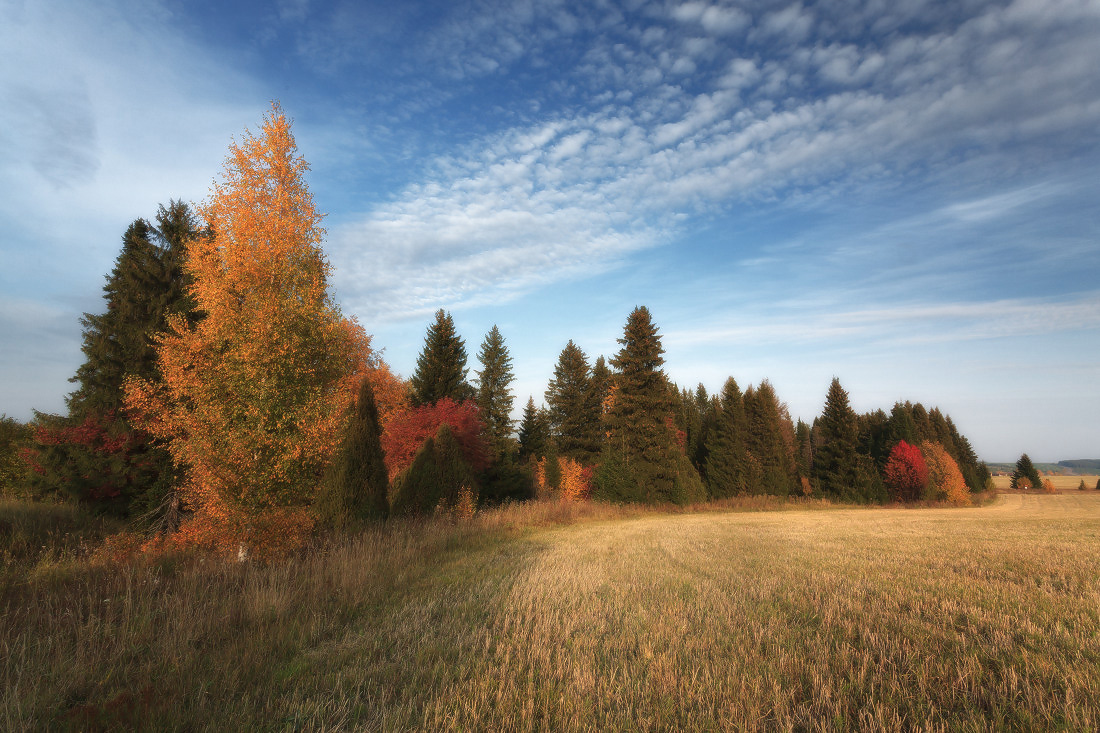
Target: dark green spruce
x=355 y=486
x=441 y=367
x=494 y=392
x=644 y=461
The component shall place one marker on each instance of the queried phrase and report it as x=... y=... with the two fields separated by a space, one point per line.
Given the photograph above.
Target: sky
x=901 y=194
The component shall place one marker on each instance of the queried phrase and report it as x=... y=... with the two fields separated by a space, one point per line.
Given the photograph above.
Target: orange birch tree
x=255 y=395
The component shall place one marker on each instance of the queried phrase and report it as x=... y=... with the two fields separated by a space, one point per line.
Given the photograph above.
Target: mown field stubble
x=842 y=618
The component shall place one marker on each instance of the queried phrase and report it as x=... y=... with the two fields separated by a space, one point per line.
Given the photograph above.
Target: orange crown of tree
x=254 y=395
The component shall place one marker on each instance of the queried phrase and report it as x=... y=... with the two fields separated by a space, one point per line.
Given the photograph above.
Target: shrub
x=1048 y=487
x=408 y=429
x=437 y=478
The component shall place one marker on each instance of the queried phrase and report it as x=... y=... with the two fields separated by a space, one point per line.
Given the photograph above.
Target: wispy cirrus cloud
x=838 y=104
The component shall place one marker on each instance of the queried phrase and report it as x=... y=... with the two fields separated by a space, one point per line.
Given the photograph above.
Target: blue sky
x=900 y=194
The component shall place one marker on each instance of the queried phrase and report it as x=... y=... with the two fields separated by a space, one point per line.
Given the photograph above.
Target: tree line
x=225 y=401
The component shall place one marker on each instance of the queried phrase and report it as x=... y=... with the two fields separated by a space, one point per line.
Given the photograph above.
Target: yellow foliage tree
x=576 y=480
x=945 y=480
x=255 y=394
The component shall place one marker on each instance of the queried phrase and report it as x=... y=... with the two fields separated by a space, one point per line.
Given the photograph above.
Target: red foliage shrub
x=407 y=430
x=906 y=472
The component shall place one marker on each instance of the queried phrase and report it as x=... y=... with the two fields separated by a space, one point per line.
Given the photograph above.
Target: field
x=806 y=617
x=1062 y=483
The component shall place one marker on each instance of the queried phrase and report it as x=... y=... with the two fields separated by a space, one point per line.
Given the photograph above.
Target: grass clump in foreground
x=589 y=618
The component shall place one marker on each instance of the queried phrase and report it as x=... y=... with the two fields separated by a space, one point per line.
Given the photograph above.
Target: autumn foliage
x=945 y=480
x=253 y=394
x=574 y=480
x=906 y=472
x=409 y=428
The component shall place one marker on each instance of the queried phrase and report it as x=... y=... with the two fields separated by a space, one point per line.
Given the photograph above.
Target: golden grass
x=1061 y=483
x=551 y=617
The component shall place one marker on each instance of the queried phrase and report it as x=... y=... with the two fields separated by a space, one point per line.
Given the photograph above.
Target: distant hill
x=1082 y=465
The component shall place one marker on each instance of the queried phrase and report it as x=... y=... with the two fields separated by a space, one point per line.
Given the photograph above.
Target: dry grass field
x=592 y=619
x=1062 y=483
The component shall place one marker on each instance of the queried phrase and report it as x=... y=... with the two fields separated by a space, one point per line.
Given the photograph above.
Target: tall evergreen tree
x=599 y=389
x=727 y=458
x=494 y=393
x=534 y=431
x=574 y=412
x=355 y=486
x=1025 y=469
x=803 y=449
x=94 y=454
x=642 y=442
x=769 y=465
x=441 y=367
x=838 y=470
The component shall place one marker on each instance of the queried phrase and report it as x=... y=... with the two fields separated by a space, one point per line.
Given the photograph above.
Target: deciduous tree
x=906 y=472
x=945 y=481
x=439 y=478
x=253 y=393
x=409 y=429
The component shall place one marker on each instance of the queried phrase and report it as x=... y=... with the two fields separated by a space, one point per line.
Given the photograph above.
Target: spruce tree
x=534 y=432
x=765 y=444
x=94 y=454
x=803 y=449
x=441 y=366
x=574 y=412
x=355 y=486
x=727 y=458
x=436 y=478
x=642 y=438
x=494 y=394
x=838 y=470
x=1025 y=469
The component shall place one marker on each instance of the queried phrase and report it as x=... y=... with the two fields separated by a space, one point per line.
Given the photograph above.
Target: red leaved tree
x=906 y=472
x=407 y=430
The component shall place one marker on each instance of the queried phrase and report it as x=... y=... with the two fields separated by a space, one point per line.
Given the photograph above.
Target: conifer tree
x=1025 y=469
x=494 y=393
x=355 y=486
x=803 y=449
x=436 y=479
x=599 y=390
x=534 y=432
x=574 y=412
x=765 y=443
x=441 y=367
x=95 y=454
x=727 y=457
x=838 y=469
x=642 y=441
